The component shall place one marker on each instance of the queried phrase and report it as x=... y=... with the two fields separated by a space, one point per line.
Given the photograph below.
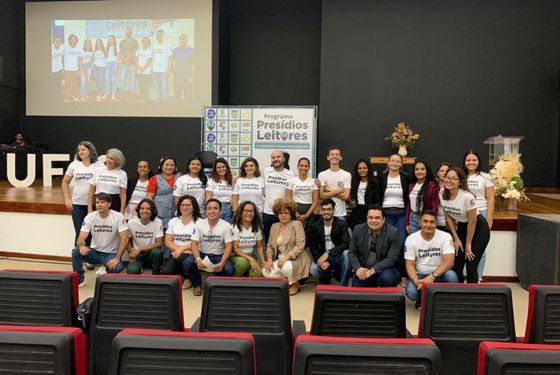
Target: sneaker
x=294 y=288
x=101 y=271
x=187 y=284
x=82 y=284
x=197 y=291
x=89 y=266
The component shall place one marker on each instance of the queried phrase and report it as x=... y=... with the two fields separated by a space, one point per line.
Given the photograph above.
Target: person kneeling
x=109 y=238
x=429 y=257
x=247 y=241
x=374 y=251
x=328 y=241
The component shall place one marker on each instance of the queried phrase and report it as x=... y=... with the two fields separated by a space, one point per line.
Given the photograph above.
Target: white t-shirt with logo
x=144 y=235
x=139 y=192
x=246 y=238
x=440 y=213
x=109 y=181
x=111 y=55
x=428 y=254
x=413 y=195
x=144 y=55
x=182 y=233
x=81 y=175
x=477 y=184
x=104 y=231
x=275 y=185
x=162 y=52
x=71 y=57
x=86 y=57
x=212 y=240
x=250 y=189
x=57 y=54
x=222 y=191
x=99 y=59
x=361 y=193
x=332 y=181
x=328 y=240
x=458 y=208
x=188 y=185
x=302 y=191
x=393 y=193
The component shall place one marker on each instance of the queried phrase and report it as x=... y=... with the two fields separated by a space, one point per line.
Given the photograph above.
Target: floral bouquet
x=506 y=179
x=402 y=135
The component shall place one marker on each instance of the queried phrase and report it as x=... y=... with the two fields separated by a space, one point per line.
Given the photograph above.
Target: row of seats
x=456 y=317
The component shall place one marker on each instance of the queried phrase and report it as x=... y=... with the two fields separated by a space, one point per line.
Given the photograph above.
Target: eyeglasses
x=451 y=178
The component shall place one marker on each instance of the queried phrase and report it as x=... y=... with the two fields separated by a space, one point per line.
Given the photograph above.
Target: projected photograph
x=119 y=61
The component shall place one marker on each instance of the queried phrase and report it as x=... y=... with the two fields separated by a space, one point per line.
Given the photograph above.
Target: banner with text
x=235 y=132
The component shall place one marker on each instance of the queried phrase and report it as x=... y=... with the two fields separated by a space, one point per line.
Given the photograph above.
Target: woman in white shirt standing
x=72 y=54
x=249 y=186
x=85 y=69
x=469 y=230
x=99 y=65
x=304 y=191
x=481 y=185
x=441 y=172
x=137 y=188
x=220 y=186
x=363 y=191
x=192 y=183
x=81 y=170
x=111 y=180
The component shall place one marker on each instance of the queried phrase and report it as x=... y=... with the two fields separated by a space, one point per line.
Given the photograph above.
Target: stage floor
x=50 y=200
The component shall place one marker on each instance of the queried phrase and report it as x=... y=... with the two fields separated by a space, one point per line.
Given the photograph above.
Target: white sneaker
x=82 y=284
x=101 y=271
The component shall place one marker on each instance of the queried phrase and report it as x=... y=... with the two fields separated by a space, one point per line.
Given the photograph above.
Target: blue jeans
x=414 y=222
x=161 y=84
x=84 y=81
x=412 y=291
x=386 y=278
x=339 y=266
x=128 y=79
x=193 y=273
x=482 y=263
x=396 y=219
x=93 y=257
x=225 y=213
x=99 y=74
x=111 y=78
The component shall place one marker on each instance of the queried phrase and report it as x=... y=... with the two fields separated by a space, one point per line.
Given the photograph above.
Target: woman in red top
x=423 y=194
x=160 y=189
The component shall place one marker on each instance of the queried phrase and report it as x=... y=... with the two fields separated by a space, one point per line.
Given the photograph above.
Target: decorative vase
x=506 y=204
x=402 y=151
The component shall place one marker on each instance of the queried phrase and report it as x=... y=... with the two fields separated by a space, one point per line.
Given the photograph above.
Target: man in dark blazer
x=328 y=241
x=374 y=251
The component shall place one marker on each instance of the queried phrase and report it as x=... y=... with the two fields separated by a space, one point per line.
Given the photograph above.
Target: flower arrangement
x=402 y=135
x=506 y=179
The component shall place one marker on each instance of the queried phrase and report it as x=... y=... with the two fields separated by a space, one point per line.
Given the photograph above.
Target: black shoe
x=90 y=267
x=417 y=305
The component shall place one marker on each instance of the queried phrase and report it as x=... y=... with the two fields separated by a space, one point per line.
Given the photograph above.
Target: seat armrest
x=196 y=326
x=298 y=328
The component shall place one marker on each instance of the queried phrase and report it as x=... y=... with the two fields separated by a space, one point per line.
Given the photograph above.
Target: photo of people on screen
x=123 y=61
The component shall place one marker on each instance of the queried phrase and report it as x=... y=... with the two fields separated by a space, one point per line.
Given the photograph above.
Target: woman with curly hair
x=247 y=241
x=220 y=186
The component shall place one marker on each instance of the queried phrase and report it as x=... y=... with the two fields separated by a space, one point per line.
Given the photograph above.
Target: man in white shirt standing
x=335 y=182
x=57 y=67
x=276 y=180
x=161 y=65
x=109 y=238
x=429 y=256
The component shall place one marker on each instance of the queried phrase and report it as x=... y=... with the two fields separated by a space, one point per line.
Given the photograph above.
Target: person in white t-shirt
x=86 y=64
x=137 y=188
x=248 y=250
x=363 y=192
x=303 y=190
x=220 y=186
x=393 y=194
x=57 y=67
x=81 y=170
x=481 y=185
x=111 y=180
x=99 y=65
x=441 y=172
x=161 y=66
x=469 y=229
x=335 y=182
x=192 y=183
x=211 y=246
x=249 y=186
x=429 y=256
x=109 y=238
x=145 y=240
x=276 y=181
x=144 y=60
x=72 y=54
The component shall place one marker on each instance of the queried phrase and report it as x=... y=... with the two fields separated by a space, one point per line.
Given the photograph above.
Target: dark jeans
x=386 y=278
x=193 y=273
x=478 y=246
x=153 y=258
x=339 y=268
x=268 y=220
x=170 y=265
x=93 y=257
x=79 y=212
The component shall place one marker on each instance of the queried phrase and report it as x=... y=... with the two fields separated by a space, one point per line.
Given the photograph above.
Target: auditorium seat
x=260 y=306
x=543 y=318
x=46 y=298
x=319 y=355
x=42 y=350
x=457 y=317
x=131 y=301
x=163 y=352
x=499 y=358
x=359 y=312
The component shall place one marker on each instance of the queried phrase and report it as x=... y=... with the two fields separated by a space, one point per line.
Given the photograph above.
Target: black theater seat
x=457 y=317
x=38 y=350
x=137 y=352
x=499 y=358
x=34 y=298
x=543 y=319
x=319 y=355
x=131 y=301
x=359 y=312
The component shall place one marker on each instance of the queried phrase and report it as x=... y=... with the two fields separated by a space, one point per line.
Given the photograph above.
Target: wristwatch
x=435 y=275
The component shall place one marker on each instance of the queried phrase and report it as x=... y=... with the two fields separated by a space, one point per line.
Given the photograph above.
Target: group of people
x=375 y=231
x=128 y=69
